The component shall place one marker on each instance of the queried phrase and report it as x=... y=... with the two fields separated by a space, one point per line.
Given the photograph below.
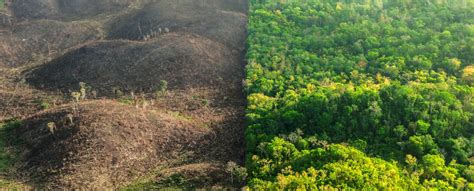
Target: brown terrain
x=123 y=129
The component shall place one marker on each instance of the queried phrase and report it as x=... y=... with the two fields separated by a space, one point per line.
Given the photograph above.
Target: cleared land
x=161 y=103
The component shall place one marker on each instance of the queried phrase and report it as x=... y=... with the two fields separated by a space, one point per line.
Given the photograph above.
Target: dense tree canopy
x=360 y=94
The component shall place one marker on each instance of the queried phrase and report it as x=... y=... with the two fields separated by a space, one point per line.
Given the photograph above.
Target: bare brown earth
x=104 y=145
x=124 y=131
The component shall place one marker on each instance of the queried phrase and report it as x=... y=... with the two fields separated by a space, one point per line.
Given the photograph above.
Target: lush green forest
x=360 y=94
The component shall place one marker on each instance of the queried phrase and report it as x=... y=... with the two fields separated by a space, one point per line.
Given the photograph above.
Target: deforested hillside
x=27 y=43
x=66 y=9
x=183 y=60
x=122 y=93
x=221 y=25
x=102 y=144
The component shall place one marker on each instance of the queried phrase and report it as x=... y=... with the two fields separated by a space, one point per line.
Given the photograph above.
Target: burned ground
x=183 y=60
x=28 y=43
x=111 y=139
x=190 y=16
x=65 y=9
x=101 y=144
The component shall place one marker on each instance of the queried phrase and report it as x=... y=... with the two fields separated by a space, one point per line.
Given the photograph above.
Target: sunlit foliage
x=360 y=94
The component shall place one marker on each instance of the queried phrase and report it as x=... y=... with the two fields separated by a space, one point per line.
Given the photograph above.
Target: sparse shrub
x=75 y=101
x=202 y=101
x=84 y=89
x=163 y=85
x=174 y=180
x=94 y=94
x=51 y=127
x=205 y=102
x=43 y=104
x=237 y=173
x=138 y=101
x=8 y=138
x=70 y=118
x=162 y=88
x=76 y=96
x=117 y=92
x=79 y=96
x=126 y=101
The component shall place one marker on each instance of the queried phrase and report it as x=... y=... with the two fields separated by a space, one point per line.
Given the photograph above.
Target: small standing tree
x=75 y=101
x=83 y=90
x=51 y=127
x=76 y=96
x=237 y=173
x=162 y=88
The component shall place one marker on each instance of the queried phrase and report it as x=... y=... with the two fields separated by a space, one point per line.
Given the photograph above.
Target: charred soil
x=164 y=96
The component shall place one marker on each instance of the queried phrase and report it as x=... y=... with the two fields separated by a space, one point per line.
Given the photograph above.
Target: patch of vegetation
x=180 y=115
x=360 y=95
x=7 y=154
x=43 y=104
x=126 y=101
x=6 y=140
x=202 y=101
x=162 y=88
x=174 y=180
x=2 y=3
x=237 y=173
